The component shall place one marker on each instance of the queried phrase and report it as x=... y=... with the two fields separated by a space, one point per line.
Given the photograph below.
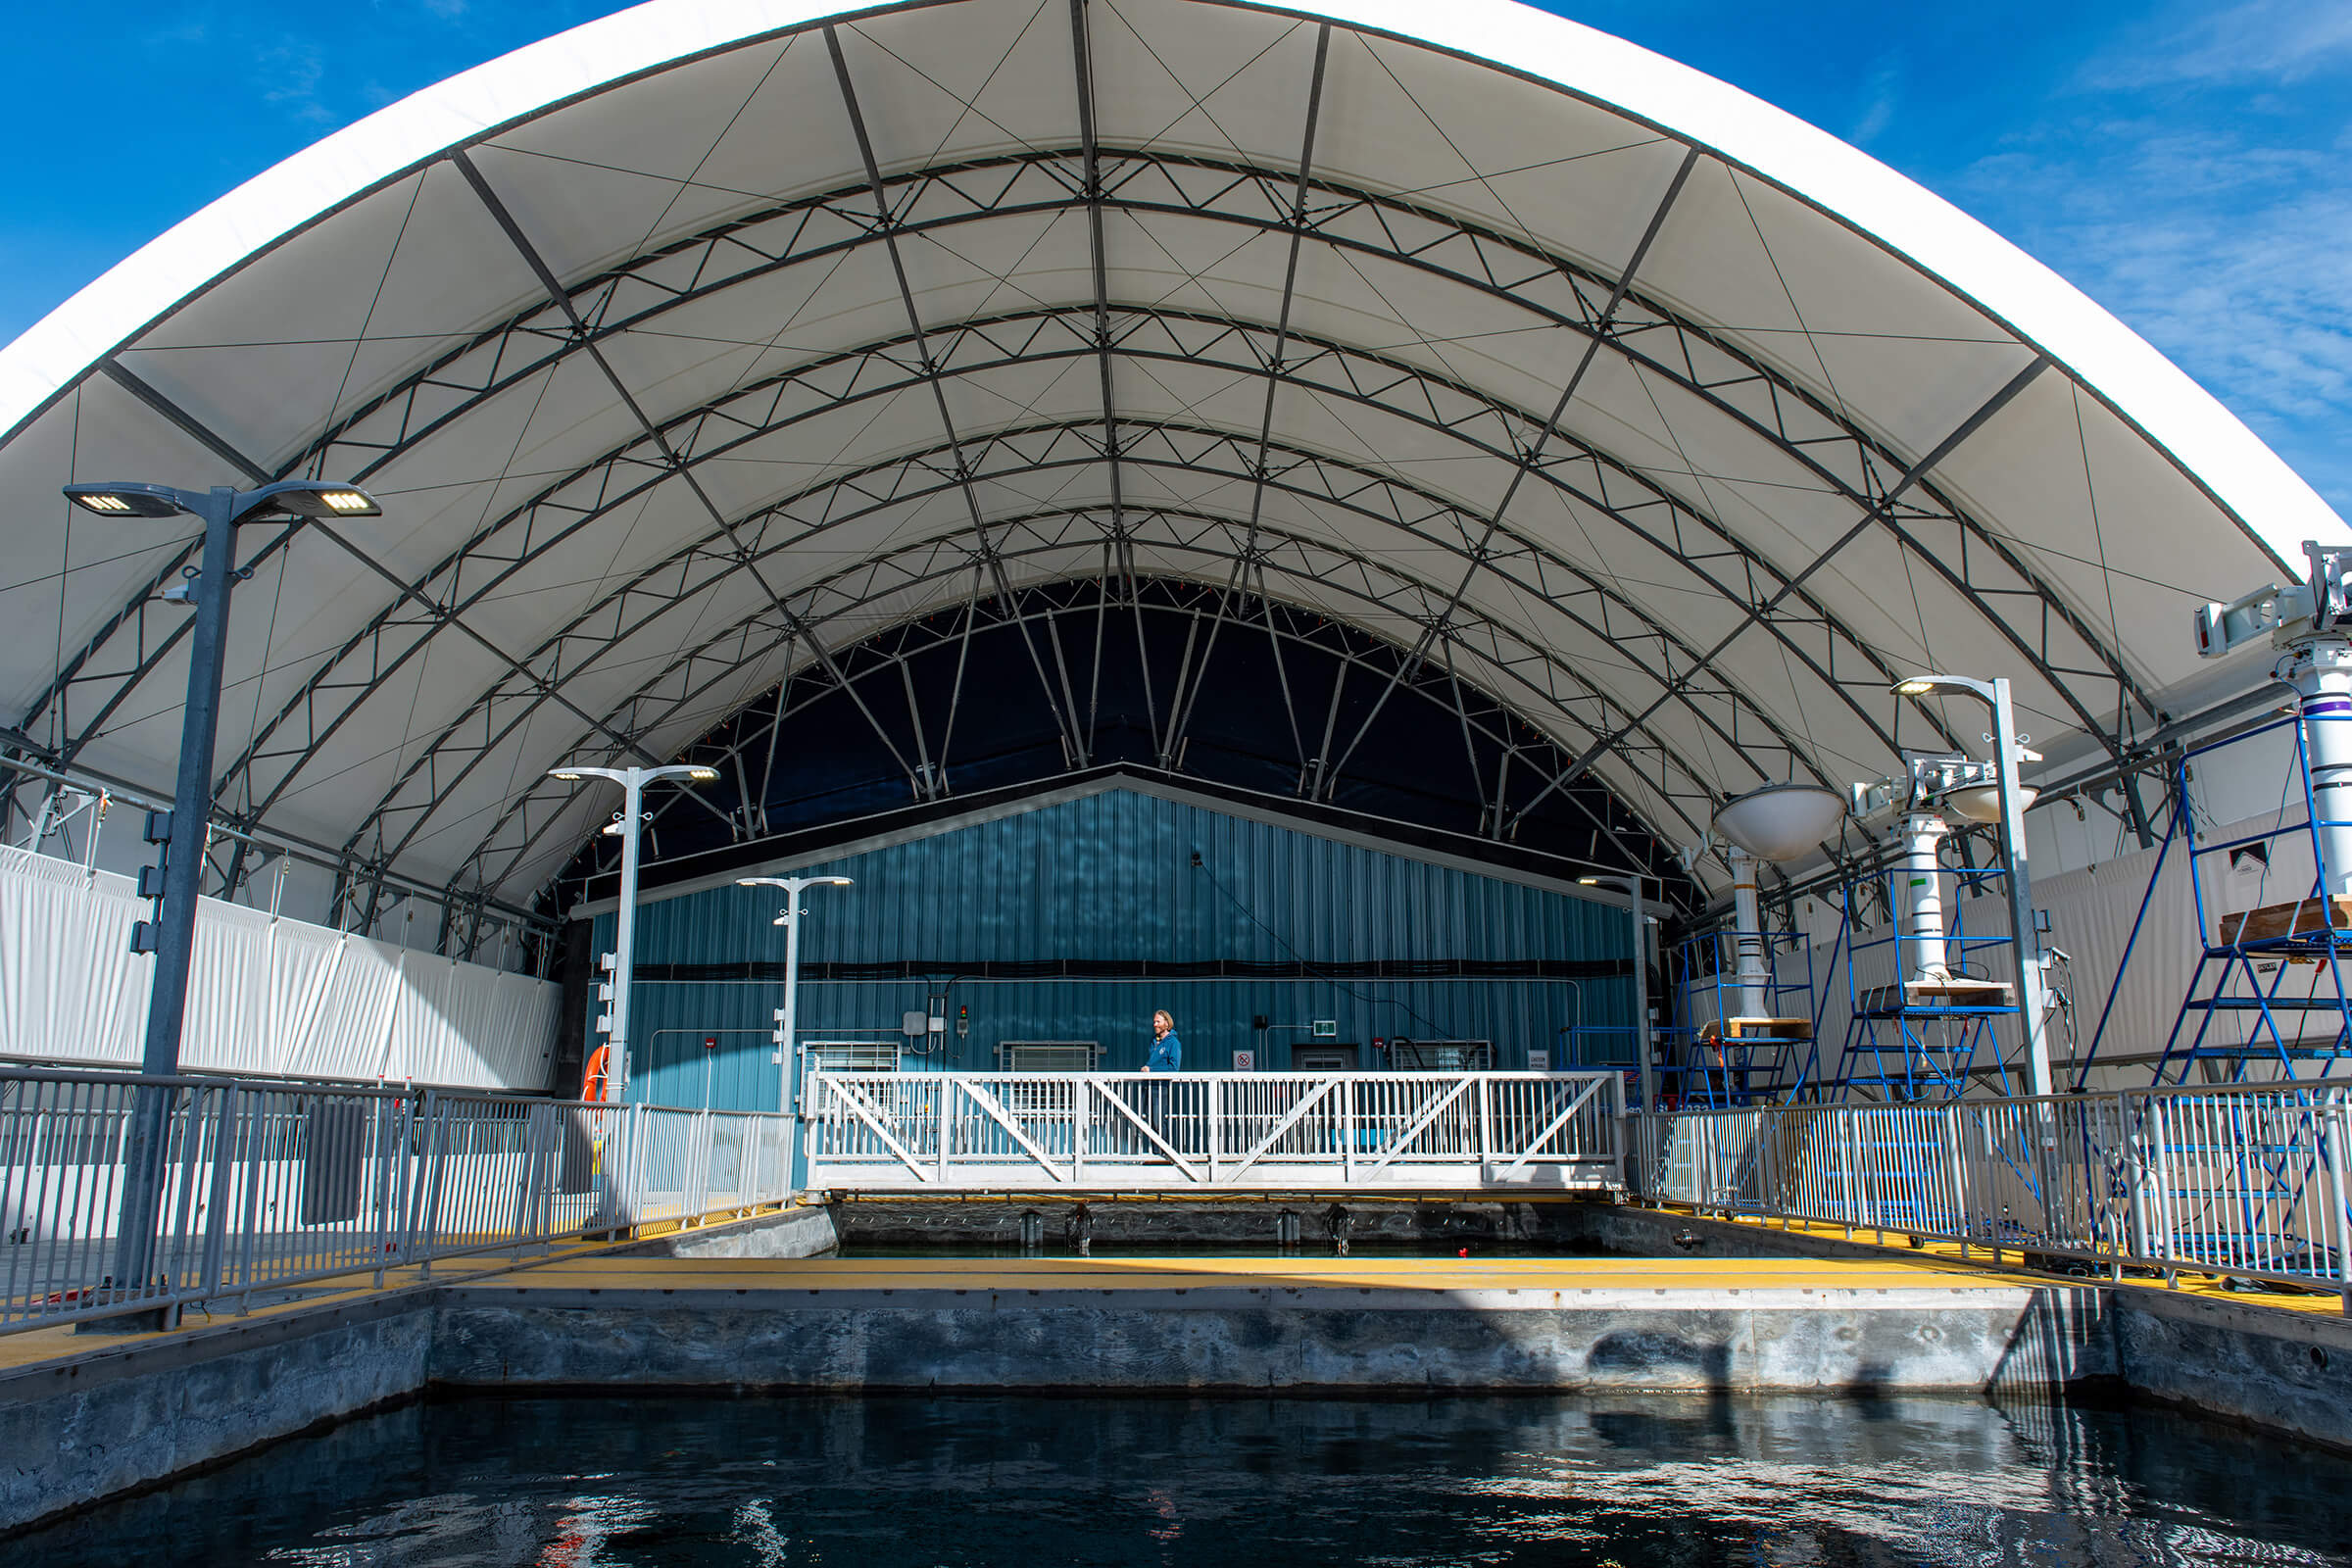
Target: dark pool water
x=1027 y=1483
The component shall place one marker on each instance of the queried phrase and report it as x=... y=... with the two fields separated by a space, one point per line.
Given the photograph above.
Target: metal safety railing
x=946 y=1132
x=2245 y=1182
x=121 y=1192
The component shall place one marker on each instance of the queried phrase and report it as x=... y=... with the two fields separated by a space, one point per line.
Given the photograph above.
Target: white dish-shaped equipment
x=1781 y=821
x=1982 y=803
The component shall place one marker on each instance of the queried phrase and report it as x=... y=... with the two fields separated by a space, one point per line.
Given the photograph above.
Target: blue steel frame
x=1935 y=1048
x=2224 y=968
x=1715 y=1073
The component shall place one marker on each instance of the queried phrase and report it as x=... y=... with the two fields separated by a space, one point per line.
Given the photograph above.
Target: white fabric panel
x=296 y=301
x=267 y=995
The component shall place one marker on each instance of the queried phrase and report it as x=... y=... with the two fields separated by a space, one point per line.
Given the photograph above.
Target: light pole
x=1631 y=886
x=790 y=920
x=2009 y=752
x=178 y=881
x=632 y=782
x=788 y=1076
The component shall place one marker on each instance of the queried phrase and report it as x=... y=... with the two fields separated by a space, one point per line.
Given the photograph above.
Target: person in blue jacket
x=1168 y=1052
x=1166 y=1056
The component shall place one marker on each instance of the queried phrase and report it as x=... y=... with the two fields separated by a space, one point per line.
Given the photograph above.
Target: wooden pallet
x=2275 y=920
x=1768 y=1028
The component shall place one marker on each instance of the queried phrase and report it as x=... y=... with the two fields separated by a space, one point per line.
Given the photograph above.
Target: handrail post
x=217 y=1205
x=436 y=1161
x=1346 y=1131
x=1216 y=1135
x=1956 y=1137
x=389 y=1145
x=2338 y=1122
x=412 y=1192
x=2164 y=1196
x=633 y=1132
x=1848 y=1153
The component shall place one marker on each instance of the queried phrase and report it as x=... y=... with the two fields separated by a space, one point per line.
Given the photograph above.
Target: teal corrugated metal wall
x=1110 y=877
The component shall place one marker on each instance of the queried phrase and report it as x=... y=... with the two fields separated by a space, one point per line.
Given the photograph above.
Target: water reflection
x=1634 y=1481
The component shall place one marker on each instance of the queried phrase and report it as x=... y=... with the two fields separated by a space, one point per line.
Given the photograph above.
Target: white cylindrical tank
x=2320 y=671
x=1747 y=922
x=1916 y=836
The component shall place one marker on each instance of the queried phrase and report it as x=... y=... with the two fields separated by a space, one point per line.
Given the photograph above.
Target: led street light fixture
x=1941 y=685
x=125 y=500
x=307 y=498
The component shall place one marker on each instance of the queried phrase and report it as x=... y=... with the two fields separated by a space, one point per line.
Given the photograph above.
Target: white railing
x=254 y=1187
x=2247 y=1182
x=1210 y=1132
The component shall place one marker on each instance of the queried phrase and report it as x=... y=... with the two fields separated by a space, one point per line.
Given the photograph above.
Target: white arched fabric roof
x=700 y=341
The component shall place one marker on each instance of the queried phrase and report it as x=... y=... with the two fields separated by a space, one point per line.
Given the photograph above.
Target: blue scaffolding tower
x=2268 y=989
x=1725 y=1058
x=1916 y=1037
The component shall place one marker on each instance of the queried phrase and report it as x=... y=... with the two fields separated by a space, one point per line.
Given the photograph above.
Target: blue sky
x=2188 y=164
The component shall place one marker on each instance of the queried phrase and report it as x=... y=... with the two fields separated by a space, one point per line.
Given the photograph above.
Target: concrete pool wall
x=1724 y=1308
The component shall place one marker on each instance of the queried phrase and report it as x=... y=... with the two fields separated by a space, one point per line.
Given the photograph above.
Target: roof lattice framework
x=703 y=342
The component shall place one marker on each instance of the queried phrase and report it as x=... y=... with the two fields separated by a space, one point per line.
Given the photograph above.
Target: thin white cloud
x=1883 y=96
x=2258 y=40
x=2228 y=256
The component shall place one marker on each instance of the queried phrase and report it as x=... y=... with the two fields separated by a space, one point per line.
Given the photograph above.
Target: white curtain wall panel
x=267 y=995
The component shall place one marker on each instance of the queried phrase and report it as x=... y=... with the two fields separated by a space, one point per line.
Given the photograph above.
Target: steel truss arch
x=946 y=558
x=1608 y=488
x=756 y=723
x=1770 y=405
x=607 y=623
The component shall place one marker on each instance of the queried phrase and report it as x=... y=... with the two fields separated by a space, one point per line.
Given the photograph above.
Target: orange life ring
x=593 y=1082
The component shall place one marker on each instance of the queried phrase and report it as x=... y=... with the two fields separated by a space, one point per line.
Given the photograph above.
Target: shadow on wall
x=1694 y=1364
x=2065 y=1337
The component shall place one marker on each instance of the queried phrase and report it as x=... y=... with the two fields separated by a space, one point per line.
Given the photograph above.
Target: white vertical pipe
x=1922 y=914
x=1749 y=935
x=2319 y=671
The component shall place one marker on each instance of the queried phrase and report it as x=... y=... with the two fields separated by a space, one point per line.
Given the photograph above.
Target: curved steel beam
x=524 y=703
x=919 y=636
x=726 y=650
x=700 y=564
x=1687 y=538
x=1695 y=359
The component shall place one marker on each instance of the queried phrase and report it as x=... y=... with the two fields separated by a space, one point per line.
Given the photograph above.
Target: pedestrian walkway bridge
x=1213 y=1132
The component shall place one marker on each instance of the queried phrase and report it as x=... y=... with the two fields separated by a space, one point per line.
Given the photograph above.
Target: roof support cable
x=1282 y=670
x=1083 y=61
x=1870 y=518
x=1093 y=689
x=677 y=461
x=1290 y=273
x=1597 y=334
x=1181 y=700
x=964 y=652
x=887 y=221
